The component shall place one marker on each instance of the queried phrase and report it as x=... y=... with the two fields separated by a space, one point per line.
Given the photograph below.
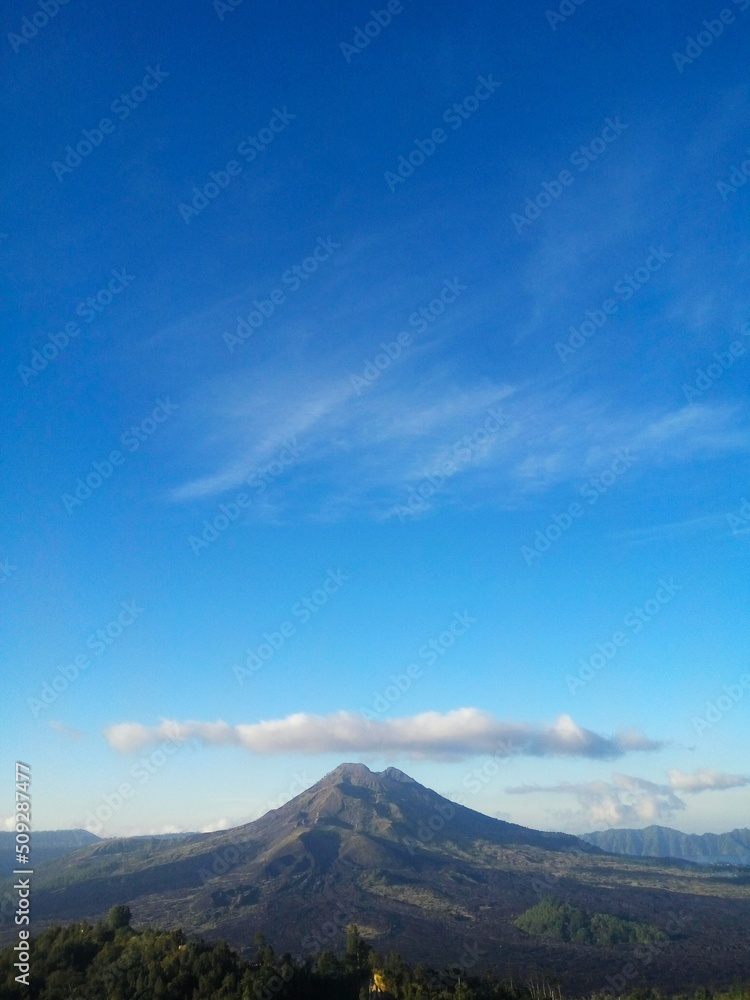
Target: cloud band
x=453 y=735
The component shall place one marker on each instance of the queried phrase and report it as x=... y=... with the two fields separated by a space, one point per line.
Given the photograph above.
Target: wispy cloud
x=630 y=801
x=362 y=452
x=68 y=732
x=463 y=732
x=702 y=429
x=705 y=779
x=674 y=529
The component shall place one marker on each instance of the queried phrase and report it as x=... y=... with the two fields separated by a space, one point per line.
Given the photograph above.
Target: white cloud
x=456 y=734
x=630 y=801
x=705 y=779
x=220 y=824
x=625 y=801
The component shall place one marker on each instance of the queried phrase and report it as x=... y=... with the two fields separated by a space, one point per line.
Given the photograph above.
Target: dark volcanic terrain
x=435 y=880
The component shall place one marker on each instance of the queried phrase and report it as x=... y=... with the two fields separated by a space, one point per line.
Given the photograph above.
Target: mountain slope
x=416 y=872
x=663 y=842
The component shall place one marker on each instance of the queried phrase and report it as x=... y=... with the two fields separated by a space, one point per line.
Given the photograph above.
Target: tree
x=119 y=916
x=327 y=963
x=357 y=952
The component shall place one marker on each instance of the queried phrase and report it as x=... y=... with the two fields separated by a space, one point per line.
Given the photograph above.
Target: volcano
x=418 y=873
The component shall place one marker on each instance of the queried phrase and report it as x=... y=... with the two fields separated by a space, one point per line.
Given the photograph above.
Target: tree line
x=111 y=960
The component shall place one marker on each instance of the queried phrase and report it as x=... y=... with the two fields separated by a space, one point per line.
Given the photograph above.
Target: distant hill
x=432 y=879
x=45 y=844
x=663 y=842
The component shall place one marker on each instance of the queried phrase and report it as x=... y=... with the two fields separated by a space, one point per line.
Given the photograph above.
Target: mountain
x=45 y=844
x=435 y=880
x=391 y=806
x=663 y=842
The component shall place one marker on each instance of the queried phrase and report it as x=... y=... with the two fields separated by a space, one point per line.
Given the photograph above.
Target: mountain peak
x=394 y=774
x=354 y=773
x=360 y=774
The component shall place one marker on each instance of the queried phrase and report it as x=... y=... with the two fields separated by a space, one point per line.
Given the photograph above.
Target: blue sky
x=330 y=363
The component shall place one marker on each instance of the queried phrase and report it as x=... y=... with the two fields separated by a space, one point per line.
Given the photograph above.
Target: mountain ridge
x=732 y=847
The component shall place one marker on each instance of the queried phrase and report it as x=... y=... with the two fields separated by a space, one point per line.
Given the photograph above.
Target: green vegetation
x=552 y=918
x=111 y=960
